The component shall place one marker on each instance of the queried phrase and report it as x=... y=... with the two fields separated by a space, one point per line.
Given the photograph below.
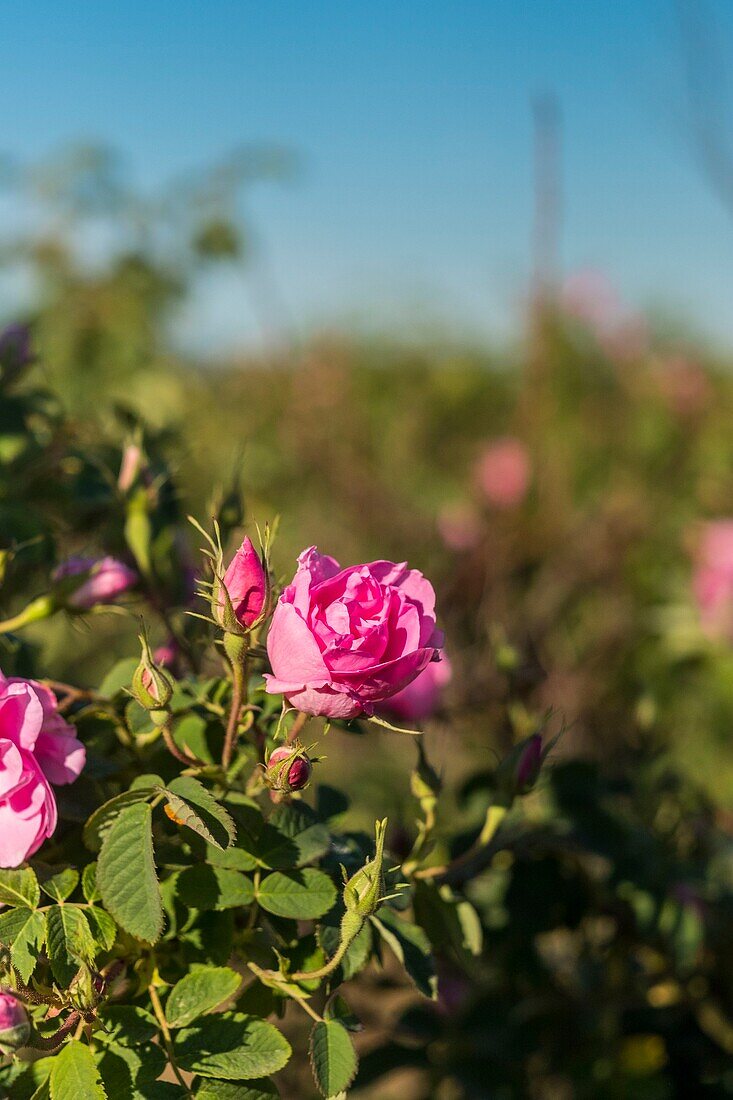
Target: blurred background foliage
x=608 y=961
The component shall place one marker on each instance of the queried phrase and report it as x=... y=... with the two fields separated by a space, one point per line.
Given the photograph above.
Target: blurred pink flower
x=106 y=580
x=589 y=297
x=459 y=526
x=503 y=472
x=712 y=580
x=423 y=696
x=343 y=640
x=684 y=385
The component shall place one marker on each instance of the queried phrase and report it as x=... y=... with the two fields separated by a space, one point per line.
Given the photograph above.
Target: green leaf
x=61 y=884
x=75 y=1076
x=199 y=992
x=232 y=1046
x=103 y=818
x=126 y=874
x=205 y=887
x=128 y=1025
x=237 y=1090
x=412 y=948
x=294 y=836
x=301 y=895
x=197 y=808
x=69 y=941
x=89 y=883
x=19 y=887
x=24 y=932
x=103 y=927
x=118 y=678
x=332 y=1056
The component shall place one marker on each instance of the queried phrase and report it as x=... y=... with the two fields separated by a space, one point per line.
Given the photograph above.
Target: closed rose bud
x=15 y=1027
x=240 y=598
x=98 y=582
x=520 y=770
x=151 y=684
x=132 y=457
x=288 y=769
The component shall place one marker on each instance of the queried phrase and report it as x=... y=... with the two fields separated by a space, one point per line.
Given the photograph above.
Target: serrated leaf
x=300 y=895
x=198 y=992
x=205 y=887
x=128 y=1025
x=89 y=883
x=197 y=808
x=61 y=884
x=69 y=941
x=24 y=932
x=332 y=1056
x=293 y=837
x=103 y=927
x=233 y=1047
x=103 y=818
x=74 y=1075
x=412 y=948
x=237 y=1090
x=126 y=874
x=19 y=886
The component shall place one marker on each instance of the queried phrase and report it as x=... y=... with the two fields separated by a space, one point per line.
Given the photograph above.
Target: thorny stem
x=167 y=1041
x=50 y=1042
x=239 y=684
x=184 y=758
x=297 y=997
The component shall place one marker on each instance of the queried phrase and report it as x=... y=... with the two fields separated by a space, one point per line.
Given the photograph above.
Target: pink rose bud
x=244 y=590
x=503 y=472
x=100 y=581
x=151 y=685
x=15 y=1026
x=288 y=768
x=520 y=770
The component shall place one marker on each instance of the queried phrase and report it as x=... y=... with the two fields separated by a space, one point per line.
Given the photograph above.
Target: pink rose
x=503 y=472
x=423 y=696
x=107 y=579
x=712 y=581
x=246 y=584
x=343 y=640
x=15 y=1028
x=36 y=747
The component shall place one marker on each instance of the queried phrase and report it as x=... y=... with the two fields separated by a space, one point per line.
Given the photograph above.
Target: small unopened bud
x=151 y=684
x=15 y=1026
x=240 y=598
x=520 y=770
x=288 y=768
x=365 y=890
x=130 y=465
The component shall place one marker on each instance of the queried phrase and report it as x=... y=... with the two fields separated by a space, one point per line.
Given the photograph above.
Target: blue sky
x=413 y=206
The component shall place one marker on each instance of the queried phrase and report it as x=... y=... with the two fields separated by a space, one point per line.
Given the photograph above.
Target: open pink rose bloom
x=343 y=640
x=37 y=748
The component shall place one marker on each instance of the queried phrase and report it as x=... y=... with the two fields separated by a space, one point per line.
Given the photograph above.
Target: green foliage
x=232 y=1047
x=126 y=873
x=75 y=1076
x=333 y=1058
x=300 y=895
x=198 y=992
